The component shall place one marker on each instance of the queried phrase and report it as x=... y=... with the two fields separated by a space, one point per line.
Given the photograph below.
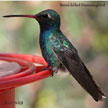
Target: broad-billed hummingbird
x=59 y=52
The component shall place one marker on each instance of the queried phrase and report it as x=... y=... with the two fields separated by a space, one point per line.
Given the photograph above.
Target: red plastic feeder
x=26 y=72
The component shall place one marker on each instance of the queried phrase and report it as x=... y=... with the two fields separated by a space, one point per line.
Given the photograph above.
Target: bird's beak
x=27 y=16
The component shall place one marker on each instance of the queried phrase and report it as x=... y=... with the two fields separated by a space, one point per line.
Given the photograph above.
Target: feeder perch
x=17 y=70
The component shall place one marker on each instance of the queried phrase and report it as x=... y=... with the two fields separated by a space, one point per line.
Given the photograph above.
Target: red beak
x=27 y=16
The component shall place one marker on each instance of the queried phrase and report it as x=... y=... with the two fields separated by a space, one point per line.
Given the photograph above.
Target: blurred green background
x=86 y=27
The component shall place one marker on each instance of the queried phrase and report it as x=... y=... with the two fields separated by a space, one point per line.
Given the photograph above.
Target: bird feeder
x=17 y=70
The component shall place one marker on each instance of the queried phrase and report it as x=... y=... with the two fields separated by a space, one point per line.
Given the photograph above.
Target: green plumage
x=59 y=52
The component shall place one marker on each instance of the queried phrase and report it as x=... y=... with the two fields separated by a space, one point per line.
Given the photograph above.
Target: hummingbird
x=59 y=52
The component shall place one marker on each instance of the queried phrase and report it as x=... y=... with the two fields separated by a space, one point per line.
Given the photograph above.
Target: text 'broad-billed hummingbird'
x=59 y=52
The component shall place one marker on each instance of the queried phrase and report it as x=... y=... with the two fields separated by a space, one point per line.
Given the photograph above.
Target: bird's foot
x=52 y=69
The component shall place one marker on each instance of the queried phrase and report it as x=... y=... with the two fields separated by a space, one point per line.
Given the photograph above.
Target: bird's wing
x=70 y=59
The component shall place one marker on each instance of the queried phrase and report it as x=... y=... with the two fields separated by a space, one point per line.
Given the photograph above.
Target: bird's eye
x=45 y=16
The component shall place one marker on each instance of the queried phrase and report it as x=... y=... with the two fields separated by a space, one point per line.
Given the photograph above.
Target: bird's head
x=47 y=17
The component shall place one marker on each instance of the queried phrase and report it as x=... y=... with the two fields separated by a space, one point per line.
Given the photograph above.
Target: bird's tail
x=92 y=87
